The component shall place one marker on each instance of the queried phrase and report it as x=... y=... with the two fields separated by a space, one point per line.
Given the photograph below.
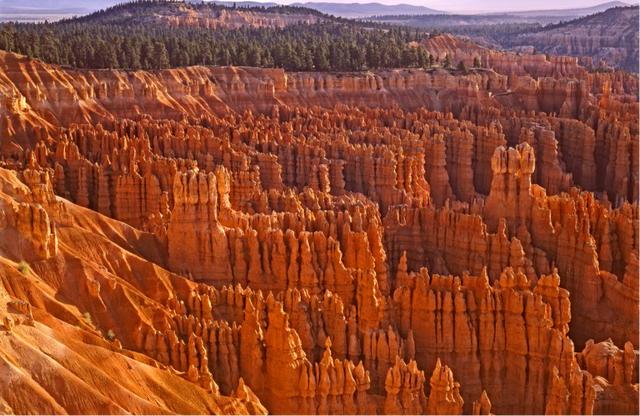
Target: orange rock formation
x=241 y=240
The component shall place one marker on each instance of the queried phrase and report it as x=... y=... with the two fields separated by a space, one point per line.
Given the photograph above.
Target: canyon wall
x=397 y=242
x=608 y=39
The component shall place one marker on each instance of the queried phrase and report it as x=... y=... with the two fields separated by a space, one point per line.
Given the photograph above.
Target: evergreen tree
x=160 y=57
x=132 y=53
x=321 y=58
x=447 y=62
x=183 y=58
x=225 y=57
x=423 y=58
x=104 y=56
x=326 y=46
x=253 y=56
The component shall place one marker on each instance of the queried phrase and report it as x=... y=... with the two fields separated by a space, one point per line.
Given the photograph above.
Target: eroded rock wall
x=399 y=242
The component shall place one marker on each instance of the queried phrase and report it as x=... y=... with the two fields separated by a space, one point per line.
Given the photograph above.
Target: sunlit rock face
x=243 y=240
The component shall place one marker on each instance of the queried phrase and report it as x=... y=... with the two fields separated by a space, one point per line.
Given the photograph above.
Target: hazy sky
x=477 y=5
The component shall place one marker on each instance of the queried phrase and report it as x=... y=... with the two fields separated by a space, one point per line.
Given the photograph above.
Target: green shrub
x=87 y=318
x=23 y=267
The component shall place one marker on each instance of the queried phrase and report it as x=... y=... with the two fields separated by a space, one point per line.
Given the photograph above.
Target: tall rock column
x=197 y=242
x=510 y=196
x=444 y=397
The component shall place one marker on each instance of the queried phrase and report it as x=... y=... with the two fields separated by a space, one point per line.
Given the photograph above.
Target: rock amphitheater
x=244 y=240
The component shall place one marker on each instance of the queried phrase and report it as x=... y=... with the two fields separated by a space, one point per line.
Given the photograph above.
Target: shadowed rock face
x=241 y=240
x=604 y=40
x=610 y=37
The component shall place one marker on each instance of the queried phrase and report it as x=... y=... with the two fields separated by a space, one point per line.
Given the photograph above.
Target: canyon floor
x=239 y=240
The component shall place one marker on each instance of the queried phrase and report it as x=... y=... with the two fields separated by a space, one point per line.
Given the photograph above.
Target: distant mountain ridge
x=359 y=10
x=44 y=8
x=347 y=10
x=36 y=6
x=48 y=9
x=575 y=12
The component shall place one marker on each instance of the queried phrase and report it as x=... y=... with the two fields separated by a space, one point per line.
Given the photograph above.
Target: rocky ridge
x=203 y=15
x=609 y=38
